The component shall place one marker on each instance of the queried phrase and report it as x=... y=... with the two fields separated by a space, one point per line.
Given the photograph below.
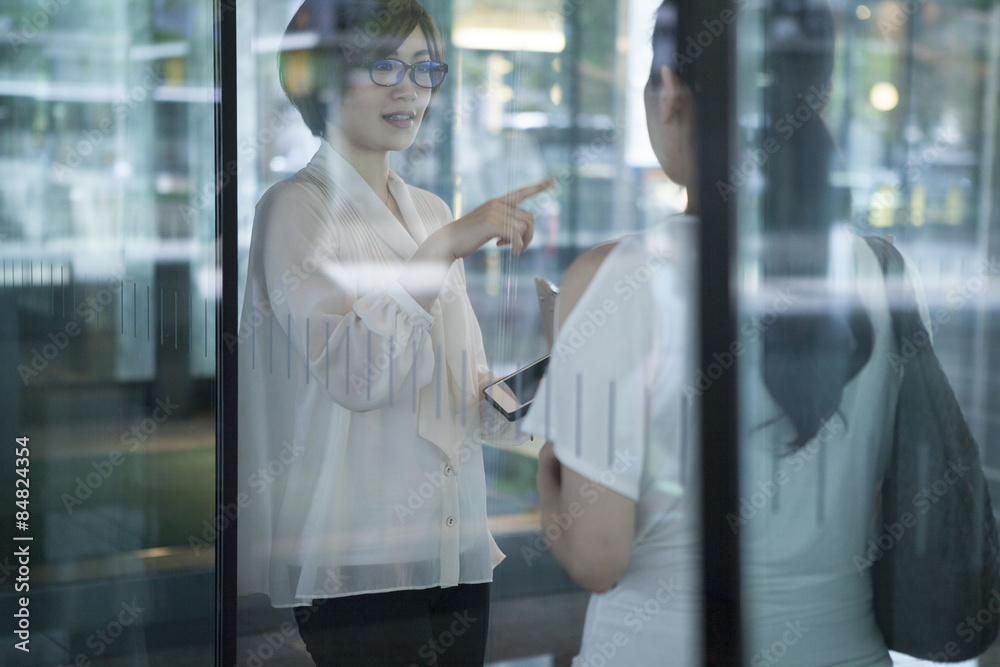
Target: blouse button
x=450 y=521
x=448 y=470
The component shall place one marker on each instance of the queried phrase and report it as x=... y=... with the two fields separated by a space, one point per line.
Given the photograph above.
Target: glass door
x=534 y=88
x=108 y=299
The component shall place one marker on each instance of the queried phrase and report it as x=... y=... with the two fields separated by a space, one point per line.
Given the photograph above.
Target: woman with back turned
x=618 y=481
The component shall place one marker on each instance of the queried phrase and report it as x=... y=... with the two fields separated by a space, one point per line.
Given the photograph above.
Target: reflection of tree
x=949 y=72
x=596 y=68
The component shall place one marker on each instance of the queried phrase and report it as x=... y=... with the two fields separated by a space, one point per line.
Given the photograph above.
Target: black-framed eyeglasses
x=390 y=72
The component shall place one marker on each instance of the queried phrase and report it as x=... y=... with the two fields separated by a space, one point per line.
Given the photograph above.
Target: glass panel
x=534 y=89
x=857 y=120
x=108 y=302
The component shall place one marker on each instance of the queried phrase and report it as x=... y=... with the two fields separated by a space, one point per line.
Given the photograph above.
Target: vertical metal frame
x=227 y=317
x=715 y=67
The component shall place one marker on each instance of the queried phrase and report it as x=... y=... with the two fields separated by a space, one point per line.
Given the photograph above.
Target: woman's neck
x=372 y=166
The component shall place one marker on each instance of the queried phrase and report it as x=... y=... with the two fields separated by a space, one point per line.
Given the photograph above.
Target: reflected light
x=123 y=169
x=527 y=120
x=555 y=94
x=508 y=39
x=918 y=206
x=883 y=207
x=863 y=13
x=500 y=64
x=278 y=163
x=884 y=96
x=954 y=206
x=501 y=93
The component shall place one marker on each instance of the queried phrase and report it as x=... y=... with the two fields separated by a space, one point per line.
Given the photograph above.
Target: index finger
x=515 y=197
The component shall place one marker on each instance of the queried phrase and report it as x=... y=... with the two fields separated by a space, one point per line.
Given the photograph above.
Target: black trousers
x=439 y=627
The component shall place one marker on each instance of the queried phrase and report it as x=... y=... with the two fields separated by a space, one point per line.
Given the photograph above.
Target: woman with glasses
x=361 y=362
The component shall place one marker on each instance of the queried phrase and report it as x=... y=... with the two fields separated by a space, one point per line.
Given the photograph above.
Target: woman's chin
x=399 y=146
x=400 y=140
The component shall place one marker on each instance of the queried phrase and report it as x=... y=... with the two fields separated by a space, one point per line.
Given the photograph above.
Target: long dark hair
x=809 y=355
x=812 y=353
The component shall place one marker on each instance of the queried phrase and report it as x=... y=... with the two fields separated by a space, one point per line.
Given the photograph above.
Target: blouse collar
x=341 y=179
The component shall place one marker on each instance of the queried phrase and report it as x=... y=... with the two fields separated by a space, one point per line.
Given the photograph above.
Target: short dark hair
x=666 y=50
x=327 y=38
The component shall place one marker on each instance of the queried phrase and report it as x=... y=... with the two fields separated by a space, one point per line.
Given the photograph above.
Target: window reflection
x=108 y=300
x=913 y=162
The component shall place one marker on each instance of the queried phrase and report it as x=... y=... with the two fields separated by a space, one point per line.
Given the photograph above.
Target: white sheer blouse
x=360 y=424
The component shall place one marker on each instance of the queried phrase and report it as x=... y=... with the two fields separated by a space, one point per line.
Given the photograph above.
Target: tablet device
x=512 y=395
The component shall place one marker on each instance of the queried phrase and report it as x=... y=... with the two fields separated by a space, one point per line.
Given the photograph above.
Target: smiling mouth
x=403 y=119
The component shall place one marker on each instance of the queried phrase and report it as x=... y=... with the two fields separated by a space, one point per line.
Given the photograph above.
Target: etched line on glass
x=465 y=383
x=392 y=360
x=821 y=487
x=775 y=467
x=579 y=415
x=647 y=403
x=924 y=477
x=548 y=408
x=686 y=443
x=437 y=381
x=611 y=422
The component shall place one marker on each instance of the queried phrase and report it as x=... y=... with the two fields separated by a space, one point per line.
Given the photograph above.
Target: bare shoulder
x=579 y=274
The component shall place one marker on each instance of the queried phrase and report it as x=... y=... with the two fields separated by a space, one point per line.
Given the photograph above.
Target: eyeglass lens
x=426 y=74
